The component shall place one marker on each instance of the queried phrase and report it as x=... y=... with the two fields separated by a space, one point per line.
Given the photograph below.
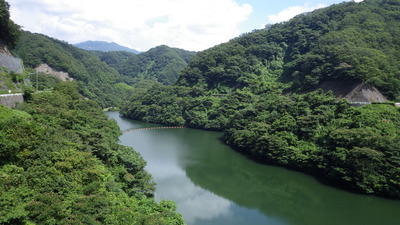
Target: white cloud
x=192 y=25
x=292 y=11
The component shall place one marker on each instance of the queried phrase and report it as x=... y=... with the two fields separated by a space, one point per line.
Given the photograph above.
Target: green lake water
x=213 y=184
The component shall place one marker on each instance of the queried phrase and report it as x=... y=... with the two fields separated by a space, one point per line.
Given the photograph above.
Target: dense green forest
x=261 y=89
x=106 y=77
x=60 y=157
x=348 y=41
x=60 y=163
x=162 y=64
x=9 y=31
x=96 y=79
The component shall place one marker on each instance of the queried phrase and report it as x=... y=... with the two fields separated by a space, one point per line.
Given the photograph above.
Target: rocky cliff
x=8 y=61
x=353 y=91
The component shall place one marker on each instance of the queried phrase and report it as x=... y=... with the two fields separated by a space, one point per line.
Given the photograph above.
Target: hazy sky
x=143 y=24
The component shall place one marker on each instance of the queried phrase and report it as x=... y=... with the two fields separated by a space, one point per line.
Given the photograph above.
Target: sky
x=192 y=25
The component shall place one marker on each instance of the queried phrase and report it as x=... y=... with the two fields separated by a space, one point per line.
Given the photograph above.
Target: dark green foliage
x=260 y=89
x=313 y=133
x=9 y=31
x=349 y=41
x=60 y=163
x=158 y=104
x=162 y=63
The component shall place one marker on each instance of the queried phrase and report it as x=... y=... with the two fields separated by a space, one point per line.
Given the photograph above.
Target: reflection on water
x=212 y=184
x=193 y=202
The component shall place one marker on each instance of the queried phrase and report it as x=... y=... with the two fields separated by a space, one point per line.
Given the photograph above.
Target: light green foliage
x=11 y=81
x=61 y=164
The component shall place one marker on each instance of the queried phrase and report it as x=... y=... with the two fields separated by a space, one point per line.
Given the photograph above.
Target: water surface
x=213 y=184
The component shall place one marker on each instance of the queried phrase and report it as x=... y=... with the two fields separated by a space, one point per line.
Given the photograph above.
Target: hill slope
x=60 y=161
x=9 y=31
x=162 y=63
x=349 y=41
x=104 y=46
x=258 y=89
x=97 y=80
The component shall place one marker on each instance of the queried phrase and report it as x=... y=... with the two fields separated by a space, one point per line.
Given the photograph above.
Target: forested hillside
x=162 y=64
x=349 y=41
x=60 y=163
x=96 y=79
x=60 y=157
x=260 y=88
x=9 y=31
x=105 y=77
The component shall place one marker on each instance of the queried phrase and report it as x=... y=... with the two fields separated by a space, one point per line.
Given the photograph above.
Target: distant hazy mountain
x=104 y=46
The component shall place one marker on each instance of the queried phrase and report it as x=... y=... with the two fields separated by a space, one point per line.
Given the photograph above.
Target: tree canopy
x=162 y=64
x=9 y=31
x=348 y=41
x=96 y=79
x=60 y=163
x=260 y=89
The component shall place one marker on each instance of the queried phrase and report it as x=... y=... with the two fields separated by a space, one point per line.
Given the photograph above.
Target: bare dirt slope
x=44 y=68
x=353 y=91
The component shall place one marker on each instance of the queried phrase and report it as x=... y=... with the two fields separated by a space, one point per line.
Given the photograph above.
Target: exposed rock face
x=8 y=61
x=44 y=68
x=353 y=91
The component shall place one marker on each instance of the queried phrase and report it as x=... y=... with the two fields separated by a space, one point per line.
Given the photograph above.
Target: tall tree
x=9 y=31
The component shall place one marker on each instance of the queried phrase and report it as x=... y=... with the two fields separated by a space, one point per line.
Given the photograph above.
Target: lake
x=213 y=184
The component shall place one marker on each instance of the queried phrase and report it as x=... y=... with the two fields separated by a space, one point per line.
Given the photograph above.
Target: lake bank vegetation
x=260 y=89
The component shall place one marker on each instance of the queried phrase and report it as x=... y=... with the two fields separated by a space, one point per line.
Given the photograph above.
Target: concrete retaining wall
x=11 y=100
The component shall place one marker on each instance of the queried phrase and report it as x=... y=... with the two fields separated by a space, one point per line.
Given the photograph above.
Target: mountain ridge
x=104 y=46
x=161 y=63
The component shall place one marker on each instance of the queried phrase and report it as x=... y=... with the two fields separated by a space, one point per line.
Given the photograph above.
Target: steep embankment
x=353 y=91
x=8 y=61
x=44 y=68
x=10 y=75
